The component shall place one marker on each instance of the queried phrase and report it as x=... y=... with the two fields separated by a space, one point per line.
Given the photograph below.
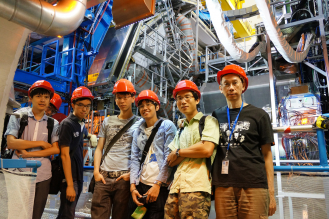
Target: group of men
x=148 y=162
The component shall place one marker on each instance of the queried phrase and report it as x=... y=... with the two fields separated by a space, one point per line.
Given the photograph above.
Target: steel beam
x=308 y=20
x=30 y=78
x=315 y=68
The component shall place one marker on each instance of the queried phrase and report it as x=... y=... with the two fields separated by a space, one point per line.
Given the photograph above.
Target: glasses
x=147 y=105
x=123 y=98
x=186 y=98
x=228 y=85
x=80 y=105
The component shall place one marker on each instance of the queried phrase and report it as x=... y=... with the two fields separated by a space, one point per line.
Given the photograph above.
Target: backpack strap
x=201 y=127
x=149 y=141
x=180 y=132
x=118 y=136
x=23 y=123
x=4 y=139
x=50 y=127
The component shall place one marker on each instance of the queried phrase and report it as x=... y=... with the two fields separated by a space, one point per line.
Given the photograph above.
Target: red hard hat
x=42 y=84
x=123 y=85
x=186 y=85
x=56 y=101
x=233 y=69
x=82 y=92
x=59 y=117
x=147 y=95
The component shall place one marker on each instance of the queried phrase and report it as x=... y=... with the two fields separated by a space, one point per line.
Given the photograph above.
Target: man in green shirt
x=190 y=192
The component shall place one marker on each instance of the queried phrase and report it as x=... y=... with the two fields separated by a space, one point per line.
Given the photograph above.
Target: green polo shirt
x=192 y=174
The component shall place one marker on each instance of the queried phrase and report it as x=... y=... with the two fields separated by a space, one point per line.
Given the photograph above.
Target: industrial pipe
x=296 y=128
x=44 y=18
x=301 y=168
x=225 y=36
x=322 y=147
x=184 y=24
x=276 y=36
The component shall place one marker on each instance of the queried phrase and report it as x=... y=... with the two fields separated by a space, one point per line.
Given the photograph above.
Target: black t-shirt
x=70 y=134
x=246 y=161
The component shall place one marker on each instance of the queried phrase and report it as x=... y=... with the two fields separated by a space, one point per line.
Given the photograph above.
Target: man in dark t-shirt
x=71 y=133
x=243 y=168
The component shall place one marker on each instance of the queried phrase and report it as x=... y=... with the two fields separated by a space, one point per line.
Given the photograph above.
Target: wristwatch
x=177 y=152
x=157 y=182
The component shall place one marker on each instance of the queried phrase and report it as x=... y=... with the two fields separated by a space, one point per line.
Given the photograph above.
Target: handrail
x=20 y=163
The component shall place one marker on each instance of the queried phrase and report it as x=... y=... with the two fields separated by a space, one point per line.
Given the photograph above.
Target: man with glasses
x=190 y=192
x=243 y=168
x=111 y=192
x=71 y=145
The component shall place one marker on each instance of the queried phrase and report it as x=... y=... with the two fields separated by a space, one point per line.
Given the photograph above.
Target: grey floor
x=292 y=207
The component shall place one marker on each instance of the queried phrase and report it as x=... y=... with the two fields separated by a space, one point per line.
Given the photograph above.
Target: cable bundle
x=304 y=41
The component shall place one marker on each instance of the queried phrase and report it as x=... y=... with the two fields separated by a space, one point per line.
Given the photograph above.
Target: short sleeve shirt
x=247 y=165
x=118 y=158
x=192 y=174
x=36 y=130
x=71 y=135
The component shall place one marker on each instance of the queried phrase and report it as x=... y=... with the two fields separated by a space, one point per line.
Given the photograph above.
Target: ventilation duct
x=276 y=36
x=225 y=36
x=44 y=18
x=184 y=24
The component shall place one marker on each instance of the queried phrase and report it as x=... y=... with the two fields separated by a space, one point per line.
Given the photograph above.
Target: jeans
x=155 y=210
x=110 y=197
x=67 y=208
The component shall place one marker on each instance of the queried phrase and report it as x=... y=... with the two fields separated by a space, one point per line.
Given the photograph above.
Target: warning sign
x=92 y=77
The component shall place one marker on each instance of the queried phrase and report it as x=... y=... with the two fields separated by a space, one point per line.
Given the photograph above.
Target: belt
x=113 y=174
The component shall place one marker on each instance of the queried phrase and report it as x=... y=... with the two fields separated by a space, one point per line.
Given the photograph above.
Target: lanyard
x=229 y=126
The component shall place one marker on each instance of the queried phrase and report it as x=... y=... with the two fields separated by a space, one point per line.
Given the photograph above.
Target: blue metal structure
x=20 y=163
x=65 y=62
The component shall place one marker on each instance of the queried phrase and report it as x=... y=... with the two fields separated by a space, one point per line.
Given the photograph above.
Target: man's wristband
x=133 y=190
x=158 y=183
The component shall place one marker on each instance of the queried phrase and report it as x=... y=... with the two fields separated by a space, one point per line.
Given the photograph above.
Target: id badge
x=225 y=164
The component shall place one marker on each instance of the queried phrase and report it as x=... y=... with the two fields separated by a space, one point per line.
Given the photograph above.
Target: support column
x=12 y=40
x=196 y=65
x=274 y=120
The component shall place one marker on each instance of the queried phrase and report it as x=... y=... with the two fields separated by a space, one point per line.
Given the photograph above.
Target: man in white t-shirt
x=149 y=177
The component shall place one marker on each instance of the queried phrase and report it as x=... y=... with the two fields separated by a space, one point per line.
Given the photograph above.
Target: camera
x=142 y=199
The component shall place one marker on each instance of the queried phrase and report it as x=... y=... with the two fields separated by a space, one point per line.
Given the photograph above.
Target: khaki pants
x=241 y=203
x=189 y=205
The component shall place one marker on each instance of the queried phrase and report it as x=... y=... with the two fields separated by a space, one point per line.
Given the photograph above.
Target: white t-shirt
x=118 y=157
x=150 y=169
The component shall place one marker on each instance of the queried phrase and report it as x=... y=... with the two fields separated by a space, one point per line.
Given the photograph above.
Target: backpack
x=8 y=154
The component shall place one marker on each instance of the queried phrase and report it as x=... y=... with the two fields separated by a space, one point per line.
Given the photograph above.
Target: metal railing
x=65 y=65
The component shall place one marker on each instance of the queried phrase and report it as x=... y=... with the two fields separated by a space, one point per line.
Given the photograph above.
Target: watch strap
x=177 y=152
